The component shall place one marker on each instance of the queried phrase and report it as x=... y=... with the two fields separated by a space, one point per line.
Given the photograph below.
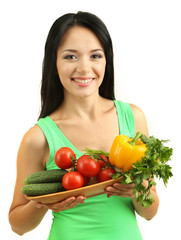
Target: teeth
x=83 y=81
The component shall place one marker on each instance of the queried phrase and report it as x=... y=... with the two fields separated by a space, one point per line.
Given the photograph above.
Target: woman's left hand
x=121 y=190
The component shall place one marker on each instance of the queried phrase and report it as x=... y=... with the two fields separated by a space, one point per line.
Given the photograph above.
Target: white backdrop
x=146 y=37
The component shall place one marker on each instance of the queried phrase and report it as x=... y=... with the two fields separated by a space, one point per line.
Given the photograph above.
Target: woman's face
x=81 y=62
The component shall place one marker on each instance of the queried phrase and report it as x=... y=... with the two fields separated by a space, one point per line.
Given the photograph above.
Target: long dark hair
x=52 y=93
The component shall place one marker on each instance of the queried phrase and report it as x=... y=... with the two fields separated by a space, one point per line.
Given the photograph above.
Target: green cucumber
x=45 y=176
x=37 y=189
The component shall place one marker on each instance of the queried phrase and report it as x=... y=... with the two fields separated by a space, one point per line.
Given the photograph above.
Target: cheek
x=100 y=69
x=64 y=70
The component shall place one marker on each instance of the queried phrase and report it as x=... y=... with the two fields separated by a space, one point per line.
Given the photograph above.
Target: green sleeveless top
x=99 y=218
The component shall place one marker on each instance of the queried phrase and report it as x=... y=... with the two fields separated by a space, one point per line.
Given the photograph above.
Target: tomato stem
x=107 y=163
x=96 y=152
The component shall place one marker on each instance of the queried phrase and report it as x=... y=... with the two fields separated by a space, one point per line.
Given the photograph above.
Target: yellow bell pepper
x=125 y=151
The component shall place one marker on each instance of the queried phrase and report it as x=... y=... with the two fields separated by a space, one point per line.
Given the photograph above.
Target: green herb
x=154 y=164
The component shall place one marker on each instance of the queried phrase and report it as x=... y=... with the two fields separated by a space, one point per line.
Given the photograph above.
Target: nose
x=83 y=66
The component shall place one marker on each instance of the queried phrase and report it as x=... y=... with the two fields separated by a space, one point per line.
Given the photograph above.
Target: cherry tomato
x=105 y=174
x=63 y=157
x=87 y=166
x=72 y=180
x=102 y=163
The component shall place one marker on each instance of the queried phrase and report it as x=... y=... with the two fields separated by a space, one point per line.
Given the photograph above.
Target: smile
x=82 y=81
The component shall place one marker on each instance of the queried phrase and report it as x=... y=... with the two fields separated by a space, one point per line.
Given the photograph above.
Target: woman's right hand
x=63 y=205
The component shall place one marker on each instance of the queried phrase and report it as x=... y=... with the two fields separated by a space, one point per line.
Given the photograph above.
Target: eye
x=70 y=57
x=96 y=56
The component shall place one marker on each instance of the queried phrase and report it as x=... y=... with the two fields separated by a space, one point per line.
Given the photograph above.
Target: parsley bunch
x=154 y=164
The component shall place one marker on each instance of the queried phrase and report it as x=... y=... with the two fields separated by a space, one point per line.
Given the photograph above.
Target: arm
x=150 y=212
x=118 y=189
x=127 y=190
x=141 y=125
x=32 y=156
x=23 y=214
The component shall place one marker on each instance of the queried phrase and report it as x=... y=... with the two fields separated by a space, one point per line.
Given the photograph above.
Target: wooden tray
x=87 y=191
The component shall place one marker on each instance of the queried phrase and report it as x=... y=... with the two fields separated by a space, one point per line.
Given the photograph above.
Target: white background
x=146 y=37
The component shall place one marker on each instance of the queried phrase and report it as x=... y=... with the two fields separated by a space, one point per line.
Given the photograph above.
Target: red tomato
x=72 y=180
x=63 y=157
x=87 y=166
x=86 y=181
x=102 y=163
x=105 y=174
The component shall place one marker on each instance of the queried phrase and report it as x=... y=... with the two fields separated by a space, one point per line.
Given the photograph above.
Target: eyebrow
x=73 y=50
x=96 y=50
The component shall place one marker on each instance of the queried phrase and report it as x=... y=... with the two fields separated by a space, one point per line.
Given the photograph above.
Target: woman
x=79 y=110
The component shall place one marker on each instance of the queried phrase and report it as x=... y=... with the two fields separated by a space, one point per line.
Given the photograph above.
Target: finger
x=38 y=204
x=77 y=200
x=81 y=199
x=121 y=186
x=113 y=191
x=123 y=192
x=59 y=205
x=74 y=203
x=63 y=205
x=66 y=204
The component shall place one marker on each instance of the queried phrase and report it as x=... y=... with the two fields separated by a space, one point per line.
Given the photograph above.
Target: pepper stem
x=135 y=139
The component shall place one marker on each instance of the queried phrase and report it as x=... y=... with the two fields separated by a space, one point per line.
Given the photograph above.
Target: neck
x=83 y=108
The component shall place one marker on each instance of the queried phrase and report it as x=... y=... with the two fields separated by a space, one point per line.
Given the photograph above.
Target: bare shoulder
x=137 y=112
x=34 y=143
x=35 y=138
x=140 y=120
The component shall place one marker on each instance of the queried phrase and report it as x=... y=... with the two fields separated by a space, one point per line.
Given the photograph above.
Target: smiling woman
x=80 y=62
x=52 y=93
x=78 y=111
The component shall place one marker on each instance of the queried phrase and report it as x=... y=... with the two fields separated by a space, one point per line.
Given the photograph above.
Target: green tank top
x=99 y=218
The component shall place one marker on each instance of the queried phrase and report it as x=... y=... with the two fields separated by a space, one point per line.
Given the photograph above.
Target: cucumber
x=45 y=176
x=37 y=189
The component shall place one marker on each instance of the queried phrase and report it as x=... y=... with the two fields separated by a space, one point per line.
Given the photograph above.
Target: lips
x=82 y=81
